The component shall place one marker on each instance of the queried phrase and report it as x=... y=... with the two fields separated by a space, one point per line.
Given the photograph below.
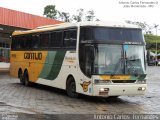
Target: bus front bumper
x=119 y=90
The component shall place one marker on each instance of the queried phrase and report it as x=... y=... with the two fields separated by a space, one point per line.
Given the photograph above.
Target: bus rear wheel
x=26 y=79
x=71 y=88
x=21 y=79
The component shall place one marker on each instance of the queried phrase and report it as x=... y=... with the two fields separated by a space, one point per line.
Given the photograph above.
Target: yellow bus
x=91 y=58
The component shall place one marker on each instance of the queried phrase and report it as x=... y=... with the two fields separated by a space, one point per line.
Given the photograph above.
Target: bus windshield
x=107 y=59
x=111 y=50
x=111 y=34
x=103 y=34
x=134 y=59
x=116 y=59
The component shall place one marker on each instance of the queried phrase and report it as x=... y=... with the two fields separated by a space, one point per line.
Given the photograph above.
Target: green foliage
x=84 y=16
x=145 y=27
x=65 y=16
x=90 y=15
x=151 y=42
x=79 y=16
x=154 y=51
x=152 y=38
x=50 y=11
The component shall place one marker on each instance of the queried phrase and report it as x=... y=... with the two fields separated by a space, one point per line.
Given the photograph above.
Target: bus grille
x=123 y=81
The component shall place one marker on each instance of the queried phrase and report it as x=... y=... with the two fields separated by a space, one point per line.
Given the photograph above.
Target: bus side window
x=35 y=41
x=28 y=39
x=18 y=46
x=23 y=42
x=73 y=38
x=56 y=39
x=44 y=40
x=14 y=43
x=70 y=38
x=66 y=39
x=85 y=34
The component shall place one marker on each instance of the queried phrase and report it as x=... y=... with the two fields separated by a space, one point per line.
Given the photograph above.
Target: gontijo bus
x=92 y=58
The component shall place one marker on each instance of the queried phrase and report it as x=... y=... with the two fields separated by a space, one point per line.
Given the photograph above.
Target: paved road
x=41 y=100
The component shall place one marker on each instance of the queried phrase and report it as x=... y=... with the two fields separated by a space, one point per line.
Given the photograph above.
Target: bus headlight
x=102 y=81
x=103 y=91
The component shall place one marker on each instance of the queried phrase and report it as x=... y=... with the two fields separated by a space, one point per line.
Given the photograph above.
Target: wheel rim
x=72 y=87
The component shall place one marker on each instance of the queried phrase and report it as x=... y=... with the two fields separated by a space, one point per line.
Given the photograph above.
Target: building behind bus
x=11 y=20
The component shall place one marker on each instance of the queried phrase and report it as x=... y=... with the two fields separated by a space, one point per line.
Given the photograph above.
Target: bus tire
x=71 y=88
x=26 y=78
x=20 y=75
x=111 y=98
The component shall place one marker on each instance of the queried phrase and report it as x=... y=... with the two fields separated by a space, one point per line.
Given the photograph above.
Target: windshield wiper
x=117 y=66
x=131 y=68
x=133 y=59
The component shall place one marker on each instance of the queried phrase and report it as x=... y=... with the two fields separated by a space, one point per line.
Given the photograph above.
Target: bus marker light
x=141 y=89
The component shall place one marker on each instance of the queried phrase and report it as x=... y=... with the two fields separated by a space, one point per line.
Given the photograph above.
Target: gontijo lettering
x=33 y=55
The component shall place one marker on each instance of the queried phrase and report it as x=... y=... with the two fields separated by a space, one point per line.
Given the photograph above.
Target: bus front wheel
x=71 y=88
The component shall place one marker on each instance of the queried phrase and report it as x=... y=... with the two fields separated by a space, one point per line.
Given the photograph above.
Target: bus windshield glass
x=110 y=34
x=134 y=59
x=116 y=50
x=107 y=59
x=116 y=59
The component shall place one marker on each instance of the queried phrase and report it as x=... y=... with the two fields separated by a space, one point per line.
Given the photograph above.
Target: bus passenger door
x=87 y=68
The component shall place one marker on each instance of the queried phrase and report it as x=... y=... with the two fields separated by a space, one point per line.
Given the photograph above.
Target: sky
x=105 y=10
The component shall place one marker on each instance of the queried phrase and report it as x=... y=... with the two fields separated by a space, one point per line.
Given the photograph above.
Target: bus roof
x=69 y=25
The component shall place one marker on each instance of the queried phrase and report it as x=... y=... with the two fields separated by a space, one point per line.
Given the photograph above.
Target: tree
x=84 y=16
x=65 y=16
x=50 y=11
x=145 y=27
x=79 y=16
x=90 y=15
